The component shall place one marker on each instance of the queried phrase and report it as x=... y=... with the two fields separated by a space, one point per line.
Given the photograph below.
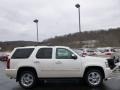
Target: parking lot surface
x=9 y=84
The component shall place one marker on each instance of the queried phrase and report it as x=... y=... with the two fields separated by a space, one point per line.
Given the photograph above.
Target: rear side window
x=44 y=53
x=22 y=53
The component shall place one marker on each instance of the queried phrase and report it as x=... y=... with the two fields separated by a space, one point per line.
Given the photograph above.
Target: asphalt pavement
x=11 y=84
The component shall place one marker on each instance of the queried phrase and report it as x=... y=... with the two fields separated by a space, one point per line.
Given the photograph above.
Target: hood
x=95 y=59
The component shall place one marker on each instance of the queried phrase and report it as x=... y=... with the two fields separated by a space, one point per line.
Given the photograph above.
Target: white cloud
x=56 y=17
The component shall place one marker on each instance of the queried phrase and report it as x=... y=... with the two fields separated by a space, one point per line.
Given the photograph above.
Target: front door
x=65 y=65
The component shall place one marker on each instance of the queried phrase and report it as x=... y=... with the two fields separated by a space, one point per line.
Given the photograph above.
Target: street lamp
x=78 y=6
x=36 y=21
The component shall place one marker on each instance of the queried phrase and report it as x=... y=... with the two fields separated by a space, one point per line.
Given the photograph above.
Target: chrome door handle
x=58 y=62
x=36 y=62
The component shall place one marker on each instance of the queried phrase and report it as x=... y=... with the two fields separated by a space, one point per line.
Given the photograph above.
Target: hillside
x=9 y=45
x=99 y=38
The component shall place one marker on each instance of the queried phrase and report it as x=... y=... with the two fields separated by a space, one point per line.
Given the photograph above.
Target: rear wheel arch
x=27 y=68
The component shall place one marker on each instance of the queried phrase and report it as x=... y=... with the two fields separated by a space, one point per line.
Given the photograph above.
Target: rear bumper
x=11 y=73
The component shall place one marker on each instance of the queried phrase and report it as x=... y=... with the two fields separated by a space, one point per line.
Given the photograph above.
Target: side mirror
x=74 y=56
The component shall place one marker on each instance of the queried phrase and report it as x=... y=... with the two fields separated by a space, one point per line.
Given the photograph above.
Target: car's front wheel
x=94 y=78
x=27 y=79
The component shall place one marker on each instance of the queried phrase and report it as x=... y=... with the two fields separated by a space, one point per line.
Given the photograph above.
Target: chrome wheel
x=94 y=78
x=27 y=79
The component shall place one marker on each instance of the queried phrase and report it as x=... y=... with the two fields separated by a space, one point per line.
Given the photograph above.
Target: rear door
x=44 y=62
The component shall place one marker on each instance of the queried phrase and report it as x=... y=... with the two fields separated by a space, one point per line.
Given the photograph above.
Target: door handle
x=36 y=62
x=58 y=62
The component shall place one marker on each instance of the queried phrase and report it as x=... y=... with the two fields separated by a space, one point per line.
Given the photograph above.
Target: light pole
x=36 y=21
x=78 y=6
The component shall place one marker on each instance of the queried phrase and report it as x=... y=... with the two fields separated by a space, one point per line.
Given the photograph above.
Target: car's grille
x=111 y=63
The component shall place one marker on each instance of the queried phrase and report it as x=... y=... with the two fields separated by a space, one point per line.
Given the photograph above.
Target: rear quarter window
x=22 y=53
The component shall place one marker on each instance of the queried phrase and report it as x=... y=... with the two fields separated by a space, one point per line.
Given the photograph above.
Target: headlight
x=106 y=64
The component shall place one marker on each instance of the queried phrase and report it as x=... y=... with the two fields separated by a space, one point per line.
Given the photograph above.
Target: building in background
x=89 y=43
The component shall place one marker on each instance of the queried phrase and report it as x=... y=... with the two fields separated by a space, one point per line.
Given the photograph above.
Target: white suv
x=28 y=64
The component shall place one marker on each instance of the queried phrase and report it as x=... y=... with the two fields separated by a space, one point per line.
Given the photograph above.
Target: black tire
x=93 y=80
x=40 y=82
x=23 y=80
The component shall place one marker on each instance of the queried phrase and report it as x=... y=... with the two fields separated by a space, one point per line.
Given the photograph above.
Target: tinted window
x=106 y=50
x=113 y=50
x=22 y=53
x=62 y=53
x=44 y=53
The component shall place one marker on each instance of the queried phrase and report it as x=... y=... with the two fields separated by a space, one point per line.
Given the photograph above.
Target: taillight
x=84 y=53
x=108 y=53
x=8 y=64
x=94 y=54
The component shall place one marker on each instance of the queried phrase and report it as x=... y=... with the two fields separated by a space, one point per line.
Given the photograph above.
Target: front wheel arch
x=94 y=68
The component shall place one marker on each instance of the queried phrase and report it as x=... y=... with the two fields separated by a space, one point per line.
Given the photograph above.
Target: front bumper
x=108 y=72
x=11 y=73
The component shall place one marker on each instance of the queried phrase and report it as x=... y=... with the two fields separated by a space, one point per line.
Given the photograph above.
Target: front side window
x=62 y=53
x=22 y=53
x=44 y=53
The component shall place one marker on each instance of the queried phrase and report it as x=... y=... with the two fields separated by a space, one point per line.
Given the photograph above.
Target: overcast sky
x=56 y=17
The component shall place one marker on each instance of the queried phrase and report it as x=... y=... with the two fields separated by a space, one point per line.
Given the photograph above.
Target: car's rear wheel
x=94 y=78
x=27 y=79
